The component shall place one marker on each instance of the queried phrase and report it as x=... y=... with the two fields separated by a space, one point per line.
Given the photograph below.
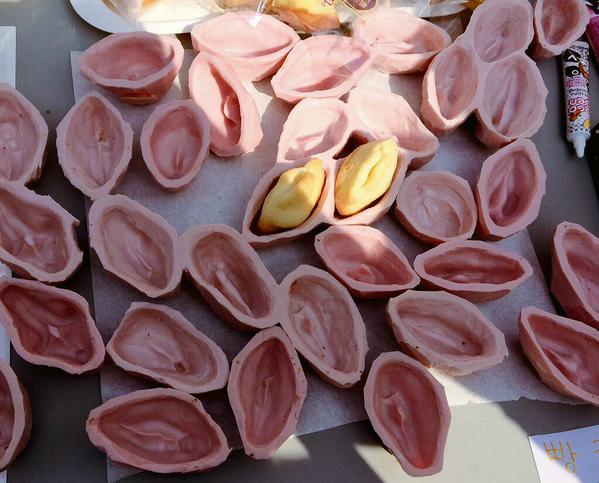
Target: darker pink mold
x=408 y=409
x=49 y=326
x=158 y=430
x=267 y=388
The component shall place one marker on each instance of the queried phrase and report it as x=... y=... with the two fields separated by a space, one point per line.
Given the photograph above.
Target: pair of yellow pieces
x=363 y=177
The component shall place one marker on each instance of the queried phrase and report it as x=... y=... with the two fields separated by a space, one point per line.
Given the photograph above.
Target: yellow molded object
x=307 y=15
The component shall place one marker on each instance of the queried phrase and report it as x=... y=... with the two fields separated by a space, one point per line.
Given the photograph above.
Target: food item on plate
x=234 y=118
x=159 y=343
x=37 y=235
x=267 y=388
x=575 y=267
x=408 y=409
x=363 y=259
x=50 y=326
x=158 y=430
x=252 y=44
x=231 y=276
x=23 y=137
x=135 y=244
x=436 y=207
x=475 y=270
x=94 y=145
x=174 y=143
x=307 y=15
x=139 y=67
x=509 y=190
x=324 y=325
x=445 y=332
x=563 y=351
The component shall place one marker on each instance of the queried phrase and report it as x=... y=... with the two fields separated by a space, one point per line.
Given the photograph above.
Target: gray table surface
x=487 y=441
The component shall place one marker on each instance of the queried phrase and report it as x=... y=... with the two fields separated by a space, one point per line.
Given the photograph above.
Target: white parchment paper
x=219 y=195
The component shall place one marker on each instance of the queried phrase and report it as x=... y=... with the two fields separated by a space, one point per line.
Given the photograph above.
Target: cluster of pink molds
x=322 y=128
x=486 y=70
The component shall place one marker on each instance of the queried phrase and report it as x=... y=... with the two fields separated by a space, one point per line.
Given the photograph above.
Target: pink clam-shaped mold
x=231 y=276
x=253 y=45
x=37 y=235
x=575 y=272
x=363 y=259
x=139 y=67
x=23 y=137
x=400 y=50
x=94 y=145
x=509 y=190
x=436 y=206
x=563 y=351
x=324 y=325
x=445 y=332
x=174 y=143
x=231 y=110
x=408 y=409
x=266 y=389
x=159 y=343
x=384 y=115
x=49 y=326
x=15 y=416
x=322 y=66
x=475 y=270
x=558 y=23
x=158 y=430
x=135 y=244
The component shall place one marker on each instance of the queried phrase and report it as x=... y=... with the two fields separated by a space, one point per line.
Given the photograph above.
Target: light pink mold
x=174 y=143
x=267 y=388
x=135 y=244
x=564 y=352
x=408 y=409
x=401 y=42
x=159 y=343
x=254 y=45
x=37 y=235
x=94 y=145
x=158 y=430
x=231 y=276
x=475 y=270
x=575 y=267
x=436 y=206
x=49 y=326
x=509 y=190
x=231 y=110
x=445 y=332
x=363 y=259
x=23 y=137
x=322 y=66
x=324 y=325
x=139 y=67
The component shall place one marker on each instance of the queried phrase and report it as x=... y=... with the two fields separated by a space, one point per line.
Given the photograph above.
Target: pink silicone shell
x=94 y=145
x=408 y=409
x=363 y=259
x=49 y=326
x=575 y=272
x=158 y=430
x=254 y=45
x=159 y=343
x=139 y=67
x=37 y=235
x=231 y=276
x=445 y=332
x=24 y=137
x=267 y=388
x=475 y=270
x=563 y=351
x=135 y=244
x=324 y=325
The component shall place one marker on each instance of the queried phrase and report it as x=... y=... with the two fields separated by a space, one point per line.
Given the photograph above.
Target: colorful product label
x=576 y=84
